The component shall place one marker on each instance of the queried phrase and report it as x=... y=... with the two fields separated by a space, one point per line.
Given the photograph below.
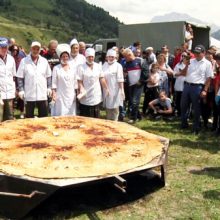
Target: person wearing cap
x=7 y=83
x=76 y=58
x=150 y=53
x=51 y=54
x=34 y=82
x=90 y=79
x=64 y=84
x=113 y=73
x=198 y=74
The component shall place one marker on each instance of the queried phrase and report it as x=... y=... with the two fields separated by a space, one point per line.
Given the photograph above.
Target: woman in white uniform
x=64 y=84
x=90 y=82
x=113 y=73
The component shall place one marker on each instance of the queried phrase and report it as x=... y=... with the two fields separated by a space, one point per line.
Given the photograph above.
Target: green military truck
x=155 y=35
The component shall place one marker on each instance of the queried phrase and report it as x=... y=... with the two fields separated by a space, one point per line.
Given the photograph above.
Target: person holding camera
x=198 y=74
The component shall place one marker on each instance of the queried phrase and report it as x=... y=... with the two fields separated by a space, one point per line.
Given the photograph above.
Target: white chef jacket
x=35 y=78
x=91 y=82
x=179 y=83
x=7 y=72
x=113 y=74
x=77 y=60
x=199 y=71
x=65 y=84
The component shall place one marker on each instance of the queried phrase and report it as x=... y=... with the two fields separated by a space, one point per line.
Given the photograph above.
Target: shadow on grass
x=209 y=171
x=87 y=200
x=212 y=194
x=205 y=140
x=208 y=144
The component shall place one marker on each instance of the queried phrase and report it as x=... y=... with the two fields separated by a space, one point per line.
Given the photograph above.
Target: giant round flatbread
x=73 y=147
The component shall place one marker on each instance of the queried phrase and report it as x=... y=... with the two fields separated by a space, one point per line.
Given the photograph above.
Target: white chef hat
x=90 y=52
x=111 y=53
x=61 y=48
x=36 y=44
x=73 y=41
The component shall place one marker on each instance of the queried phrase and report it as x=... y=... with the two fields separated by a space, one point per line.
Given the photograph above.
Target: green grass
x=192 y=189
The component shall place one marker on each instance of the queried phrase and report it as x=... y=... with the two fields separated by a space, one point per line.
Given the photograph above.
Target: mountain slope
x=61 y=19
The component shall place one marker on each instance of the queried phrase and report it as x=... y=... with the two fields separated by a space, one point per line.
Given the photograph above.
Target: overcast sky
x=141 y=11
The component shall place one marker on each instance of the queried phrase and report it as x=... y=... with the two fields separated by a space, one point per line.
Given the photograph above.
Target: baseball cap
x=3 y=42
x=36 y=43
x=199 y=49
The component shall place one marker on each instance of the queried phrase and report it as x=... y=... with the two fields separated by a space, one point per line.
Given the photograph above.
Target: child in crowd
x=162 y=106
x=152 y=86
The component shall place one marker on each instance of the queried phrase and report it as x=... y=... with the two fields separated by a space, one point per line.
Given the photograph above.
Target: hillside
x=42 y=20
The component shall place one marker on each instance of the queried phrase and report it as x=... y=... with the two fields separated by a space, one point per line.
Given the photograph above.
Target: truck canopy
x=164 y=33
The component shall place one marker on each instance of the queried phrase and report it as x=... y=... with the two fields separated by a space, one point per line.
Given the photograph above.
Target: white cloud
x=141 y=11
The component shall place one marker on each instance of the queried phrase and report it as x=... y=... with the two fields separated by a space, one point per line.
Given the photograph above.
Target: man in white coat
x=7 y=83
x=113 y=73
x=34 y=82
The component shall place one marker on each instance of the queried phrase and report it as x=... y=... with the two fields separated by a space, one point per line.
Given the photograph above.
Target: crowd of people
x=64 y=79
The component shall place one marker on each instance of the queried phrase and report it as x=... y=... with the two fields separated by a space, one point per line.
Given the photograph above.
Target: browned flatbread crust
x=73 y=147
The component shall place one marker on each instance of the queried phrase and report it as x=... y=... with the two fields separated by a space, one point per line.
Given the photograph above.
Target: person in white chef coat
x=113 y=73
x=34 y=82
x=7 y=83
x=64 y=84
x=76 y=58
x=90 y=79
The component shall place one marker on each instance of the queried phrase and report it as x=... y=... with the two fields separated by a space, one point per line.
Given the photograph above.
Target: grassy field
x=192 y=189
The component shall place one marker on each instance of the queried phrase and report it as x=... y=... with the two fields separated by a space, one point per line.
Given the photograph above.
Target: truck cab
x=101 y=47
